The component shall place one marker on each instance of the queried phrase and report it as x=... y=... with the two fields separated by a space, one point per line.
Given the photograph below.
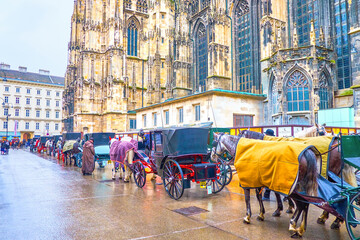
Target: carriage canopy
x=182 y=141
x=99 y=138
x=71 y=136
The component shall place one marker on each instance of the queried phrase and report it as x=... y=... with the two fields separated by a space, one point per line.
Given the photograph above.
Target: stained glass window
x=324 y=92
x=297 y=92
x=202 y=57
x=243 y=52
x=305 y=12
x=132 y=38
x=342 y=44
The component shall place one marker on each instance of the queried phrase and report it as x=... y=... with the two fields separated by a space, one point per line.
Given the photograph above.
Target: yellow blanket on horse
x=322 y=143
x=268 y=164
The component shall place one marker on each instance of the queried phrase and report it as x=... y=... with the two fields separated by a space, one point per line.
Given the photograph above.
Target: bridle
x=215 y=144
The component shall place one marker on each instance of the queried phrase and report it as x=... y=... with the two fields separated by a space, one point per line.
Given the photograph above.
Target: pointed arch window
x=201 y=57
x=243 y=49
x=132 y=39
x=298 y=92
x=324 y=92
x=274 y=96
x=141 y=6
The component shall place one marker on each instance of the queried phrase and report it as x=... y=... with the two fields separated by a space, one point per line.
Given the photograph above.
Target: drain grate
x=190 y=210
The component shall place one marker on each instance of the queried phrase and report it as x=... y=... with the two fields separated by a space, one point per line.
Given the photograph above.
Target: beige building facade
x=130 y=54
x=31 y=101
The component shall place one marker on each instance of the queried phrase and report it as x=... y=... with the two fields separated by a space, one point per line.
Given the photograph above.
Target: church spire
x=295 y=37
x=312 y=34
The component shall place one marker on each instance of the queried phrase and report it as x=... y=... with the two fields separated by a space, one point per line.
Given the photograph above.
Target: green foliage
x=347 y=92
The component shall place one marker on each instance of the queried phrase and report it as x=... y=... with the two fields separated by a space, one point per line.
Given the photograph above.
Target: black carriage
x=179 y=156
x=101 y=146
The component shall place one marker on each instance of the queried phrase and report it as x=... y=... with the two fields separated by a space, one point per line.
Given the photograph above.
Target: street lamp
x=7 y=115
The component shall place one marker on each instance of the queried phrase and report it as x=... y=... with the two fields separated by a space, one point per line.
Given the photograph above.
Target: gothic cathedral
x=128 y=54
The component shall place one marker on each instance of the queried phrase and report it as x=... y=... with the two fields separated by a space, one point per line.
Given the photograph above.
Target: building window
x=155 y=119
x=197 y=113
x=297 y=92
x=28 y=101
x=56 y=126
x=17 y=124
x=38 y=91
x=132 y=38
x=6 y=99
x=17 y=90
x=167 y=120
x=243 y=47
x=17 y=112
x=181 y=115
x=324 y=90
x=141 y=6
x=162 y=64
x=37 y=126
x=47 y=126
x=144 y=121
x=57 y=103
x=132 y=124
x=17 y=100
x=342 y=44
x=194 y=6
x=162 y=16
x=38 y=102
x=6 y=88
x=305 y=12
x=6 y=111
x=162 y=40
x=57 y=114
x=48 y=93
x=58 y=94
x=47 y=114
x=27 y=113
x=37 y=113
x=27 y=125
x=5 y=125
x=201 y=58
x=243 y=120
x=28 y=90
x=48 y=103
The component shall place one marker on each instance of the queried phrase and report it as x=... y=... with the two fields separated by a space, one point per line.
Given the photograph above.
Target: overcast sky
x=35 y=34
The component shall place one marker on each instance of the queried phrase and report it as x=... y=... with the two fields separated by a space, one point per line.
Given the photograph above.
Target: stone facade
x=129 y=54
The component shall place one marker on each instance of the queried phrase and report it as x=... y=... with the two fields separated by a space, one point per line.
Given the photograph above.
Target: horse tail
x=310 y=183
x=349 y=175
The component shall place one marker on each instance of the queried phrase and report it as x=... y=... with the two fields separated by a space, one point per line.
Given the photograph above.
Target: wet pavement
x=42 y=199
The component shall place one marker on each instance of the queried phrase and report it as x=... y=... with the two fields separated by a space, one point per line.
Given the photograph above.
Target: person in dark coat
x=266 y=197
x=88 y=162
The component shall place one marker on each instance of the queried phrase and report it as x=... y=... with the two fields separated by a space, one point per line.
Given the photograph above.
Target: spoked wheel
x=353 y=217
x=139 y=174
x=221 y=178
x=173 y=179
x=228 y=174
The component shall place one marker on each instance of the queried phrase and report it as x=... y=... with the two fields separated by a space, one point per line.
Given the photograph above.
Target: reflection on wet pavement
x=41 y=198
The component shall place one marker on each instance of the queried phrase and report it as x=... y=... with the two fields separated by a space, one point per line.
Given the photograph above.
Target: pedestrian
x=266 y=196
x=88 y=162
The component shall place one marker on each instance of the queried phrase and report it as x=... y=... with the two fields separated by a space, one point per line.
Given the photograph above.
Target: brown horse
x=307 y=180
x=335 y=164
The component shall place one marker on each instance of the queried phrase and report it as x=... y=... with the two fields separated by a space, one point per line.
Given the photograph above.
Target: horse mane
x=251 y=134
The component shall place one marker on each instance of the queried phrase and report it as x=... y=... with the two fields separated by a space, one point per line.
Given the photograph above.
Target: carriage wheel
x=173 y=179
x=139 y=174
x=228 y=174
x=353 y=217
x=221 y=177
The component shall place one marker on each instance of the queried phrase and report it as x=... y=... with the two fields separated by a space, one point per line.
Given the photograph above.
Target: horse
x=314 y=131
x=122 y=154
x=335 y=165
x=307 y=181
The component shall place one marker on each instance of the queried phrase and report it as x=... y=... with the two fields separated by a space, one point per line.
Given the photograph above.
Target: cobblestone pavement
x=42 y=199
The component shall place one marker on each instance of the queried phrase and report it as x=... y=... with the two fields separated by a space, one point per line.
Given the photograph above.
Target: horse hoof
x=320 y=221
x=246 y=221
x=261 y=219
x=289 y=211
x=276 y=214
x=295 y=235
x=335 y=226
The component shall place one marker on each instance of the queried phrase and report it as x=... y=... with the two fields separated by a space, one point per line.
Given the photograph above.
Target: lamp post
x=7 y=125
x=6 y=105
